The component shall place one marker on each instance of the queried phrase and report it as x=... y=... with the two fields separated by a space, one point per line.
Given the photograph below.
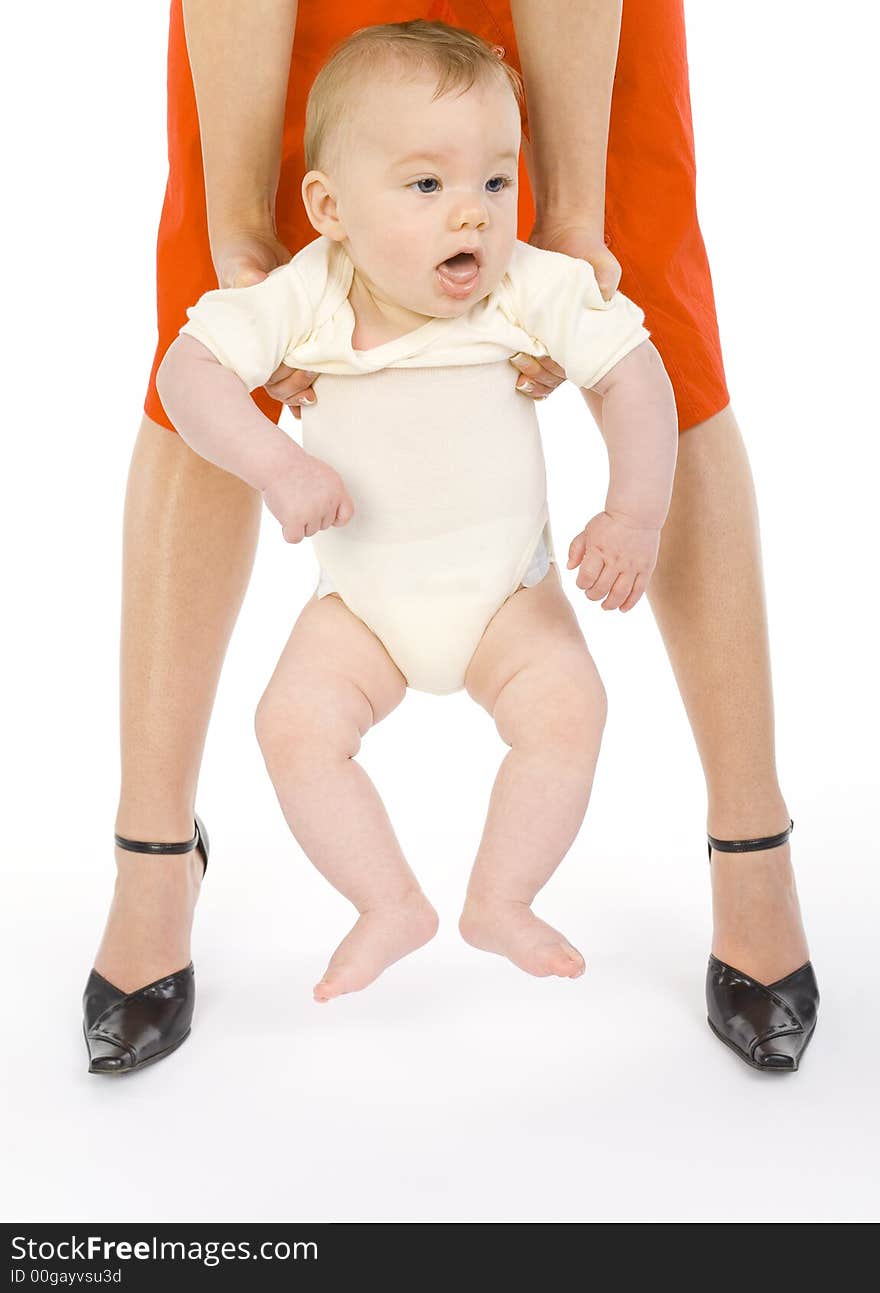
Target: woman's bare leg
x=189 y=539
x=707 y=596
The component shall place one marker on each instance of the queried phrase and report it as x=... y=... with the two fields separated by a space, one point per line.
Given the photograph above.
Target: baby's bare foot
x=513 y=930
x=381 y=936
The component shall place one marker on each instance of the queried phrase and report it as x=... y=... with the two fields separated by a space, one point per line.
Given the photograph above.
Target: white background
x=456 y=1087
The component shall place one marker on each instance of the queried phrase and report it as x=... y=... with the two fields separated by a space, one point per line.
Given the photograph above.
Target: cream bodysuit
x=441 y=456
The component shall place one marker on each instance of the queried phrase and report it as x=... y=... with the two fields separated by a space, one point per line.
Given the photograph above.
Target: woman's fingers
x=544 y=368
x=292 y=386
x=539 y=376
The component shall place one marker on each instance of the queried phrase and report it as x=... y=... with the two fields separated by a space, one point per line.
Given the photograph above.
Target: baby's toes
x=564 y=961
x=334 y=984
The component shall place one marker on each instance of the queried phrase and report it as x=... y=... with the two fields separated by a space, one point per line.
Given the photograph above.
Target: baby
x=421 y=480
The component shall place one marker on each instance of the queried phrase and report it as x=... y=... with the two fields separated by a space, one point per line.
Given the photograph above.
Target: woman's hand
x=573 y=236
x=241 y=258
x=576 y=237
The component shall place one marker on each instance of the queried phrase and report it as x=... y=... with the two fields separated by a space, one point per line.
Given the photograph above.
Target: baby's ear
x=319 y=201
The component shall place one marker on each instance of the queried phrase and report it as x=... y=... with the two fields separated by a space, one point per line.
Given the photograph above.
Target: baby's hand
x=616 y=559
x=309 y=496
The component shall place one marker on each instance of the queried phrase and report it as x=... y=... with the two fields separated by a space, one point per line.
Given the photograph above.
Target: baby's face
x=420 y=182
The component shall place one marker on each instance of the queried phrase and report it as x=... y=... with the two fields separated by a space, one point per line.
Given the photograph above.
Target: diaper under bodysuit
x=439 y=453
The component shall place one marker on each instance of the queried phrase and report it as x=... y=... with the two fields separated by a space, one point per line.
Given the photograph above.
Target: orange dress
x=650 y=206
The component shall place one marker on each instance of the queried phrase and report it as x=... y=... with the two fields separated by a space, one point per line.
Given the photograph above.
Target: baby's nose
x=471 y=213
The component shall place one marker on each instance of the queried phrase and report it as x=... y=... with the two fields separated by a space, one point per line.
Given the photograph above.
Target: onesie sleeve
x=251 y=329
x=558 y=302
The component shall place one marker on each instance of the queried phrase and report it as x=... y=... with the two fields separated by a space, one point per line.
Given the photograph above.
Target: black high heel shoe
x=125 y=1031
x=769 y=1025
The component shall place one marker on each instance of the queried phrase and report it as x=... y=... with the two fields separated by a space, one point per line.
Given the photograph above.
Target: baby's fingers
x=591 y=569
x=602 y=587
x=639 y=586
x=620 y=590
x=576 y=550
x=293 y=533
x=344 y=512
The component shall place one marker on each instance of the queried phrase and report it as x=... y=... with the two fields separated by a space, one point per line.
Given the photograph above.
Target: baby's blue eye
x=497 y=184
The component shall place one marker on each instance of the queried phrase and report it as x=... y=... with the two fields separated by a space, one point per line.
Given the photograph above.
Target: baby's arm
x=214 y=414
x=617 y=550
x=211 y=409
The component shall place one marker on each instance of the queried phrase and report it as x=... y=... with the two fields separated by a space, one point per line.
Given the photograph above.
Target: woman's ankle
x=734 y=814
x=147 y=932
x=157 y=821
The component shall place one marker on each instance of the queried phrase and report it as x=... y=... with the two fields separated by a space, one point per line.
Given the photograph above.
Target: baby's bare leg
x=533 y=673
x=333 y=682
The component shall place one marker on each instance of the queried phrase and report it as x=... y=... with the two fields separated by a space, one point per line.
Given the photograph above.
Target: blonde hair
x=457 y=57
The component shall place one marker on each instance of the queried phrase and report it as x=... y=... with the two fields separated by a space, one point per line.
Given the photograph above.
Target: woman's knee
x=313 y=717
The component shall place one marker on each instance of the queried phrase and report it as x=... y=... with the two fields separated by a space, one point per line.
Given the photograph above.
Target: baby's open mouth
x=458 y=275
x=462 y=265
x=465 y=259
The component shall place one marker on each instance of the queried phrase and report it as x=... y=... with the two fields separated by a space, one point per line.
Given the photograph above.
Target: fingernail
x=524 y=386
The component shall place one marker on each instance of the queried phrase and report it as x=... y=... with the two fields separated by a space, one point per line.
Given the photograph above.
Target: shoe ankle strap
x=142 y=846
x=750 y=846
